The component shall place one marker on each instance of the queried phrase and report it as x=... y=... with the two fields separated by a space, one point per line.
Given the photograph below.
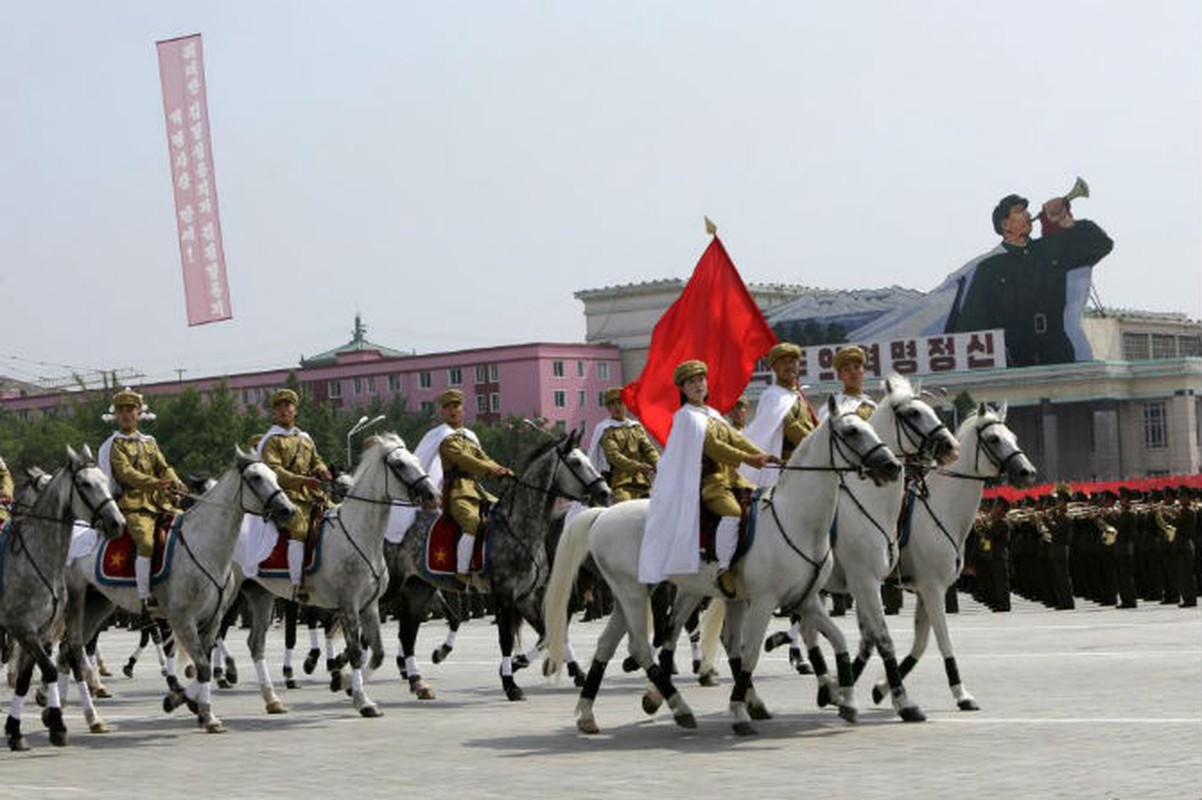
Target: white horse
x=351 y=574
x=864 y=540
x=788 y=560
x=195 y=592
x=943 y=516
x=33 y=593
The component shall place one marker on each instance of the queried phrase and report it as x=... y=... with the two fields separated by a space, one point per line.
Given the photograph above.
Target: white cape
x=767 y=430
x=257 y=536
x=670 y=544
x=401 y=518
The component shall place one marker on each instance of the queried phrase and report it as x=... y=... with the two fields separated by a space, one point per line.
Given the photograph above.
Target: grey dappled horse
x=33 y=592
x=787 y=561
x=518 y=566
x=195 y=592
x=933 y=557
x=352 y=574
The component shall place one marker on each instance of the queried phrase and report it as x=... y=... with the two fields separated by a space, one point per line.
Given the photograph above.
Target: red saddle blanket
x=276 y=563
x=115 y=560
x=709 y=526
x=443 y=543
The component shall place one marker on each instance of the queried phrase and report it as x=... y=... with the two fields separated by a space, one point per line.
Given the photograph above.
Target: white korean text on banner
x=912 y=355
x=181 y=69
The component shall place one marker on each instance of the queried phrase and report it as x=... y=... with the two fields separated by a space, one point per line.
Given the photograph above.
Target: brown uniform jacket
x=138 y=465
x=463 y=461
x=628 y=449
x=724 y=450
x=293 y=457
x=798 y=424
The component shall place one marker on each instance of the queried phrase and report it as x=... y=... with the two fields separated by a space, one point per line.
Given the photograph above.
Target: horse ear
x=981 y=410
x=87 y=453
x=1001 y=412
x=241 y=457
x=888 y=386
x=831 y=408
x=72 y=456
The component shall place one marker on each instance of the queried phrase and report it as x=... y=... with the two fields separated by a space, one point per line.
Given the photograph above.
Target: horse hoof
x=848 y=713
x=17 y=744
x=190 y=671
x=105 y=672
x=169 y=703
x=968 y=704
x=420 y=689
x=513 y=692
x=878 y=694
x=102 y=693
x=759 y=712
x=371 y=712
x=519 y=661
x=587 y=726
x=98 y=726
x=630 y=665
x=311 y=661
x=290 y=683
x=824 y=696
x=335 y=681
x=425 y=693
x=58 y=738
x=214 y=726
x=912 y=714
x=743 y=729
x=577 y=674
x=686 y=720
x=775 y=640
x=439 y=654
x=231 y=670
x=650 y=704
x=223 y=683
x=128 y=670
x=708 y=679
x=277 y=707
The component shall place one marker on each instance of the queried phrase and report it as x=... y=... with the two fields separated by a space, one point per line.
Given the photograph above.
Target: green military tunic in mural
x=629 y=451
x=138 y=467
x=293 y=457
x=463 y=462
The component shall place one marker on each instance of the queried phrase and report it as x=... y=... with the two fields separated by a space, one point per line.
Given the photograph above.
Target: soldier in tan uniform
x=738 y=414
x=463 y=463
x=290 y=452
x=146 y=485
x=849 y=366
x=6 y=491
x=629 y=453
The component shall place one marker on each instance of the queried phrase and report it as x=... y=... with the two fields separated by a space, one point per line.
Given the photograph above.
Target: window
x=557 y=369
x=603 y=370
x=494 y=373
x=481 y=404
x=581 y=369
x=427 y=407
x=357 y=387
x=335 y=388
x=455 y=376
x=370 y=382
x=1135 y=346
x=394 y=383
x=481 y=373
x=601 y=399
x=561 y=399
x=1154 y=424
x=494 y=402
x=423 y=380
x=580 y=398
x=1189 y=346
x=1164 y=346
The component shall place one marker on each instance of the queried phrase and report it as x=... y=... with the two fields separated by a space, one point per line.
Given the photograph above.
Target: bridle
x=1000 y=463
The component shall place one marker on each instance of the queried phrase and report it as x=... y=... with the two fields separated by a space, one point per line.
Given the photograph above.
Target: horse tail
x=572 y=550
x=712 y=620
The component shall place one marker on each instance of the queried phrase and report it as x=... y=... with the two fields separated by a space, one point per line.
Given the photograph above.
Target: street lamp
x=363 y=424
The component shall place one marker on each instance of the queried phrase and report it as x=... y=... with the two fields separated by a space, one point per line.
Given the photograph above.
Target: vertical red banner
x=181 y=69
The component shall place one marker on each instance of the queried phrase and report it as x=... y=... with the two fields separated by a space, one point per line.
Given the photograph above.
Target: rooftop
x=357 y=344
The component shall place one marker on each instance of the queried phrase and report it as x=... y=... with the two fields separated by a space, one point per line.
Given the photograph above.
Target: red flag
x=715 y=320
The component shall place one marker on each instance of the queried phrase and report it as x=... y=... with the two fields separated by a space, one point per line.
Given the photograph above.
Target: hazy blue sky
x=455 y=171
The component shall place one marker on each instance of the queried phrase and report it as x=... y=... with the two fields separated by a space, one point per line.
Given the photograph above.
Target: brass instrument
x=1080 y=189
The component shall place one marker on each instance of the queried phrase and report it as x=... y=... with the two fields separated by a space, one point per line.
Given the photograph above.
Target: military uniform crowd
x=1110 y=548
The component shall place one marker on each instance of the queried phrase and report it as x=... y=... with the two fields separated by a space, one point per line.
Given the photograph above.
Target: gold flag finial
x=710 y=227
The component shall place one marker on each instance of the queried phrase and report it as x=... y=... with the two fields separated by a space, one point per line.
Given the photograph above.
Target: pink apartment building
x=561 y=383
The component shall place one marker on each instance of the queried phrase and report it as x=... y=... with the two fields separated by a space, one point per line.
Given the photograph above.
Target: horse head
x=578 y=477
x=910 y=426
x=267 y=499
x=855 y=445
x=403 y=465
x=985 y=434
x=91 y=499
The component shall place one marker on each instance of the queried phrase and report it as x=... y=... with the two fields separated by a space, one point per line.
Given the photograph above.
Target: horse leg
x=69 y=662
x=669 y=622
x=508 y=621
x=415 y=595
x=874 y=630
x=745 y=623
x=52 y=714
x=607 y=643
x=452 y=619
x=226 y=677
x=354 y=651
x=24 y=670
x=314 y=654
x=199 y=692
x=815 y=617
x=291 y=608
x=922 y=633
x=259 y=601
x=938 y=619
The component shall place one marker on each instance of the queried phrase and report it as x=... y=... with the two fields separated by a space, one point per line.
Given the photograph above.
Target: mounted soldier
x=464 y=462
x=783 y=417
x=849 y=366
x=703 y=450
x=623 y=451
x=143 y=481
x=292 y=455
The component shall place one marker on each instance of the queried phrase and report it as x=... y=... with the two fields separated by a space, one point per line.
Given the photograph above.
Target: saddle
x=709 y=527
x=115 y=560
x=276 y=563
x=443 y=542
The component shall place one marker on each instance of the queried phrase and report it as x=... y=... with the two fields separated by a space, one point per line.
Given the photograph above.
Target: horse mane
x=536 y=451
x=971 y=420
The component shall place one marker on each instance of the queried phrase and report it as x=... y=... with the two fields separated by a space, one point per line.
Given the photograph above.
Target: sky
x=456 y=171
